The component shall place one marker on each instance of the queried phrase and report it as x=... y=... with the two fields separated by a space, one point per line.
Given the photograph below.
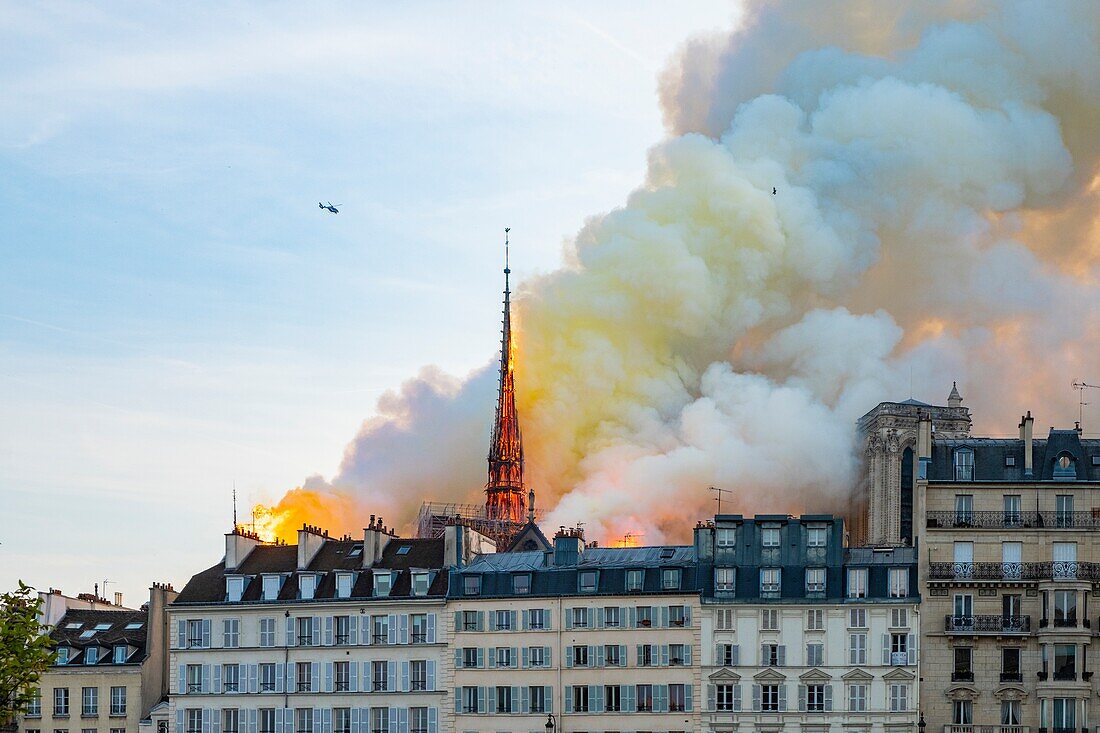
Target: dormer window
x=421 y=579
x=587 y=581
x=670 y=579
x=769 y=537
x=307 y=587
x=964 y=464
x=471 y=585
x=817 y=536
x=1065 y=468
x=63 y=653
x=121 y=653
x=91 y=655
x=343 y=585
x=635 y=579
x=382 y=583
x=272 y=584
x=725 y=536
x=234 y=589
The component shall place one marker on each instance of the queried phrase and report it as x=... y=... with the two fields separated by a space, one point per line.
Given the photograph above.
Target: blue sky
x=176 y=314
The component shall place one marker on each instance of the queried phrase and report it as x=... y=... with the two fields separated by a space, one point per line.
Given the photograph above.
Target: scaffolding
x=435 y=517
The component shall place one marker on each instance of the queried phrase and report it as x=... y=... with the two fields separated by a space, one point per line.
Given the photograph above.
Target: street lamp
x=921 y=725
x=551 y=723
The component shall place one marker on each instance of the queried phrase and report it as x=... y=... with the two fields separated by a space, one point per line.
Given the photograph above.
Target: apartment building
x=579 y=638
x=110 y=669
x=800 y=633
x=326 y=636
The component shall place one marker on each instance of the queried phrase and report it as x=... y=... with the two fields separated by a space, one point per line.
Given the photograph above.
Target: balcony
x=986 y=729
x=1011 y=520
x=1014 y=571
x=1012 y=676
x=987 y=624
x=962 y=676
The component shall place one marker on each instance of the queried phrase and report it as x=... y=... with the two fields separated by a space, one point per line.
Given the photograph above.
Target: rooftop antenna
x=1081 y=387
x=105 y=582
x=234 y=506
x=718 y=498
x=629 y=537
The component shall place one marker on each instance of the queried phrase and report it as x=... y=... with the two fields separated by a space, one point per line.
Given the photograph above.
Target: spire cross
x=507 y=270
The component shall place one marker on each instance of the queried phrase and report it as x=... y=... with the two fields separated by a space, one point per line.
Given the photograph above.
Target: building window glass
x=817 y=536
x=382 y=583
x=635 y=580
x=1065 y=662
x=611 y=617
x=815 y=580
x=770 y=579
x=670 y=579
x=471 y=585
x=769 y=537
x=769 y=619
x=962 y=670
x=230 y=720
x=588 y=581
x=343 y=585
x=380 y=720
x=769 y=698
x=857 y=698
x=962 y=713
x=645 y=698
x=725 y=580
x=899 y=582
x=231 y=633
x=118 y=700
x=726 y=537
x=1013 y=516
x=857 y=582
x=521 y=583
x=964 y=510
x=267 y=632
x=341 y=720
x=725 y=698
x=964 y=464
x=90 y=701
x=899 y=698
x=857 y=648
x=815 y=654
x=303 y=717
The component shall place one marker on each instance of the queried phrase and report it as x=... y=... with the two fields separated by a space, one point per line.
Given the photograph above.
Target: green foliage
x=26 y=651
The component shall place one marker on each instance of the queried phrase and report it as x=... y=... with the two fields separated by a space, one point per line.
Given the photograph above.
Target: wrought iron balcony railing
x=987 y=624
x=1014 y=571
x=1011 y=520
x=986 y=729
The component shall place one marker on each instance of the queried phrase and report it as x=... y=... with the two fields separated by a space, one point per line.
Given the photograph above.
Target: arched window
x=964 y=464
x=1065 y=468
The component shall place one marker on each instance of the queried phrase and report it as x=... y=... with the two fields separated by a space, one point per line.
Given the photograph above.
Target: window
x=303 y=717
x=899 y=649
x=63 y=654
x=962 y=712
x=857 y=648
x=670 y=579
x=647 y=656
x=305 y=631
x=579 y=654
x=611 y=656
x=1010 y=461
x=61 y=701
x=121 y=653
x=769 y=619
x=1012 y=559
x=230 y=720
x=677 y=698
x=380 y=680
x=815 y=698
x=725 y=537
x=469 y=657
x=231 y=678
x=504 y=656
x=341 y=676
x=537 y=697
x=231 y=633
x=307 y=584
x=267 y=632
x=343 y=584
x=677 y=616
x=725 y=698
x=899 y=582
x=769 y=537
x=899 y=698
x=380 y=720
x=964 y=510
x=537 y=618
x=724 y=619
x=769 y=698
x=91 y=655
x=815 y=654
x=1065 y=468
x=194 y=678
x=234 y=589
x=470 y=620
x=267 y=678
x=1063 y=504
x=502 y=620
x=963 y=671
x=1013 y=516
x=341 y=720
x=537 y=656
x=382 y=582
x=817 y=536
x=677 y=655
x=118 y=700
x=899 y=618
x=504 y=699
x=1065 y=709
x=579 y=698
x=964 y=464
x=34 y=707
x=271 y=584
x=418 y=675
x=644 y=698
x=726 y=655
x=725 y=580
x=815 y=580
x=613 y=699
x=380 y=629
x=857 y=582
x=418 y=720
x=635 y=580
x=815 y=619
x=1010 y=665
x=645 y=616
x=266 y=718
x=1065 y=662
x=341 y=630
x=611 y=617
x=194 y=720
x=469 y=699
x=1010 y=712
x=857 y=698
x=857 y=618
x=580 y=618
x=1065 y=608
x=1065 y=560
x=521 y=583
x=471 y=585
x=304 y=675
x=770 y=582
x=587 y=581
x=418 y=628
x=89 y=701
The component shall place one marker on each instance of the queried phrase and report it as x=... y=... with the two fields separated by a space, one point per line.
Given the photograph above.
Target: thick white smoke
x=934 y=218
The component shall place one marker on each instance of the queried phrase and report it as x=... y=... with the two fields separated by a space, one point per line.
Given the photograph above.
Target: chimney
x=568 y=546
x=238 y=544
x=310 y=541
x=1027 y=423
x=461 y=544
x=375 y=538
x=924 y=445
x=118 y=598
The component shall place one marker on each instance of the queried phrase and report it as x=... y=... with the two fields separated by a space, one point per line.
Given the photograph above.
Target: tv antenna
x=629 y=537
x=718 y=498
x=1081 y=387
x=234 y=506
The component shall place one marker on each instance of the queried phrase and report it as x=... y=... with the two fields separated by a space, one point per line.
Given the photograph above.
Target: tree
x=26 y=651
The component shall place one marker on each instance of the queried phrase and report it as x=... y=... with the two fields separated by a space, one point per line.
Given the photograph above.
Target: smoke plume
x=934 y=218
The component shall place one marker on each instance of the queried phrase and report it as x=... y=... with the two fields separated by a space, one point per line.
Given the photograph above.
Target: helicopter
x=327 y=206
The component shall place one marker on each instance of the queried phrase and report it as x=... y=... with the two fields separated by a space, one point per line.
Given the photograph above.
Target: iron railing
x=986 y=729
x=1059 y=570
x=1011 y=520
x=987 y=624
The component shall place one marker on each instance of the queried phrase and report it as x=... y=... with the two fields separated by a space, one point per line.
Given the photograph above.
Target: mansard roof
x=992 y=457
x=80 y=629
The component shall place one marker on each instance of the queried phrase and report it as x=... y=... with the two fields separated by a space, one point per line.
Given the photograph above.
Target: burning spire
x=505 y=497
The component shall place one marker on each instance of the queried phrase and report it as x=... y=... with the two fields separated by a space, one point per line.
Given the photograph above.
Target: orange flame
x=281 y=521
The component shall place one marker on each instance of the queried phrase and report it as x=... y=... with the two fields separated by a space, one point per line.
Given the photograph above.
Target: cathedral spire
x=505 y=495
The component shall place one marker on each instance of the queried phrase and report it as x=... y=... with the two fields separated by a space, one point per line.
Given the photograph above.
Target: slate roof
x=209 y=586
x=85 y=620
x=992 y=454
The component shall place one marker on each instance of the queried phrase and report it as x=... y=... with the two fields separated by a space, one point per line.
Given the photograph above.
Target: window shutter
x=595 y=698
x=526 y=658
x=328 y=676
x=911 y=648
x=179 y=720
x=719 y=655
x=316 y=640
x=402 y=720
x=712 y=698
x=661 y=703
x=689 y=699
x=548 y=696
x=326 y=720
x=481 y=707
x=782 y=654
x=802 y=698
x=633 y=616
x=640 y=651
x=622 y=655
x=253 y=679
x=290 y=640
x=206 y=633
x=458 y=621
x=458 y=659
x=215 y=721
x=393 y=720
x=328 y=631
x=480 y=620
x=663 y=622
x=783 y=697
x=181 y=635
x=183 y=679
x=687 y=615
x=252 y=720
x=664 y=655
x=763 y=655
x=205 y=679
x=480 y=658
x=391 y=677
x=886 y=649
x=217 y=678
x=513 y=657
x=433 y=720
x=687 y=655
x=512 y=621
x=430 y=632
x=569 y=657
x=599 y=656
x=278 y=720
x=526 y=619
x=756 y=698
x=629 y=698
x=546 y=656
x=353 y=677
x=353 y=635
x=828 y=698
x=524 y=699
x=280 y=677
x=317 y=720
x=430 y=675
x=548 y=619
x=355 y=720
x=458 y=699
x=314 y=676
x=569 y=618
x=404 y=676
x=391 y=629
x=737 y=698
